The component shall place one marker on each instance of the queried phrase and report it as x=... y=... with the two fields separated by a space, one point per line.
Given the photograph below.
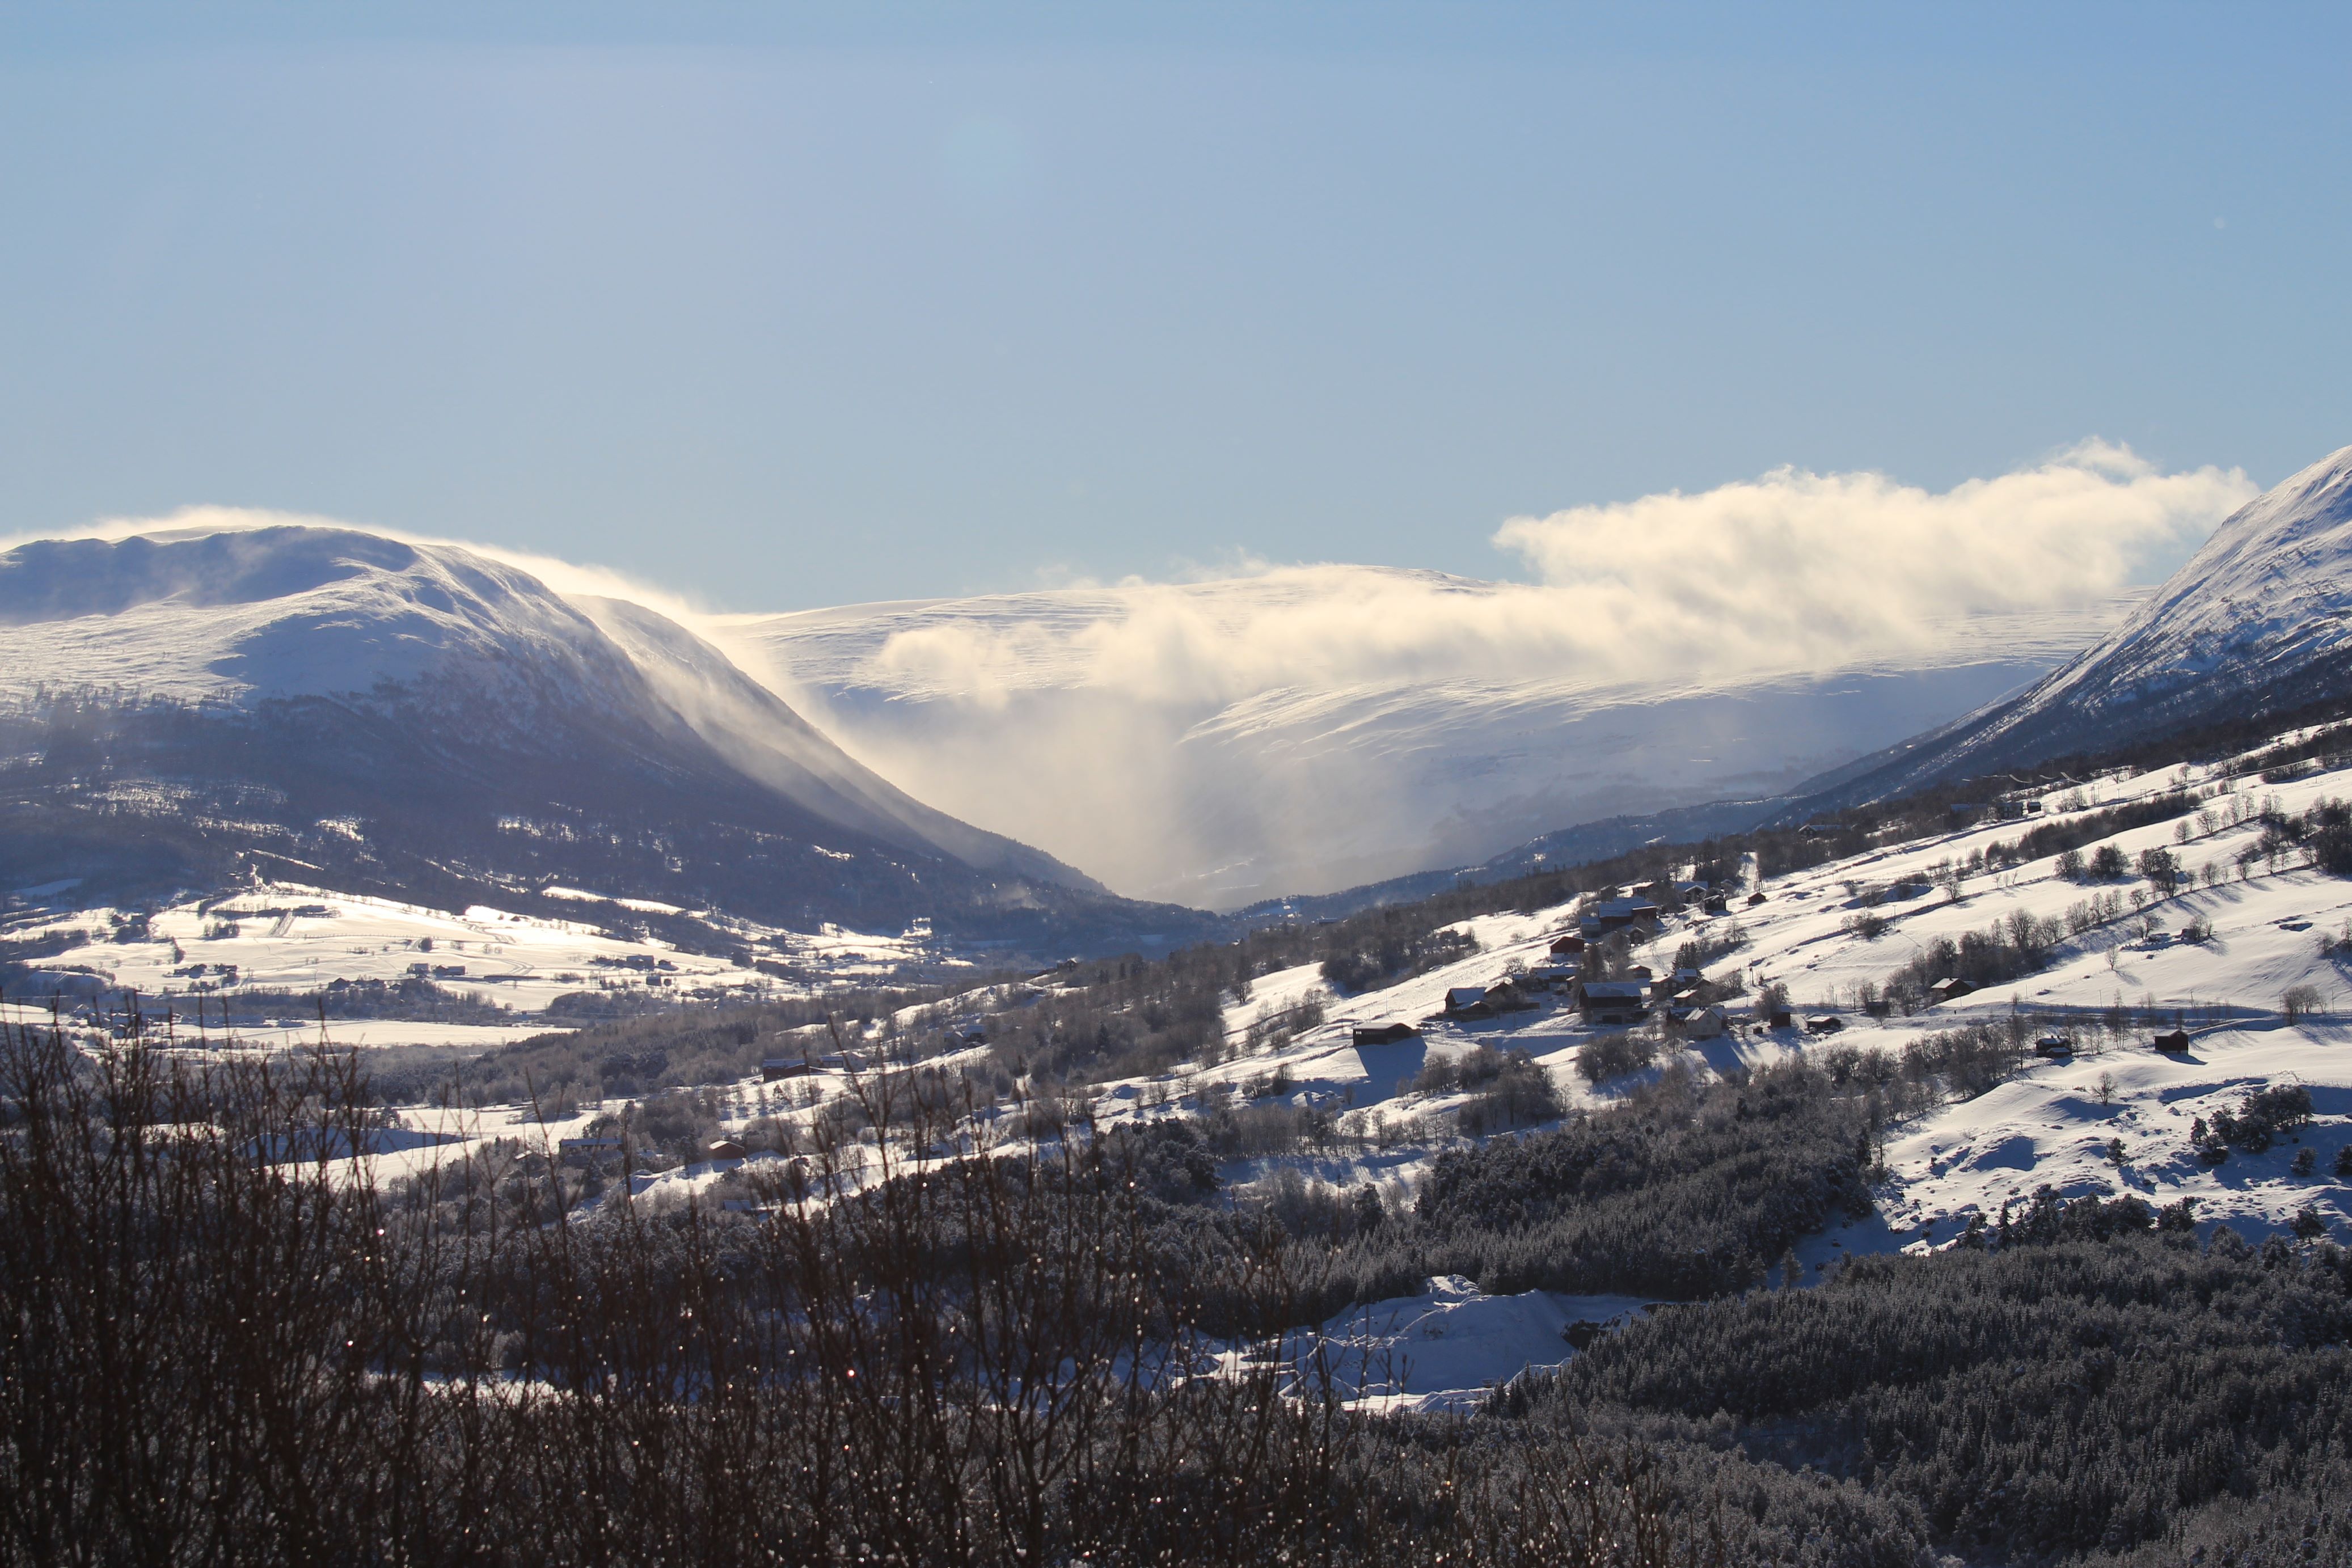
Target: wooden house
x=1613 y=1002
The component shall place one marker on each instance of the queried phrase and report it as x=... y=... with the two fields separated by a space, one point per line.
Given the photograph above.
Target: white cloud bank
x=1788 y=573
x=1306 y=727
x=1803 y=567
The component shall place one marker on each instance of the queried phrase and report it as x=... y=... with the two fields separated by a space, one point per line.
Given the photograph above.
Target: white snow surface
x=520 y=958
x=1446 y=1348
x=200 y=613
x=2052 y=1125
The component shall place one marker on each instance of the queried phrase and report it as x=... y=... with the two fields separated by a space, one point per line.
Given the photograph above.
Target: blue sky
x=794 y=307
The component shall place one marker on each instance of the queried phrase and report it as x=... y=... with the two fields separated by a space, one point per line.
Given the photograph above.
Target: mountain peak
x=2258 y=622
x=410 y=714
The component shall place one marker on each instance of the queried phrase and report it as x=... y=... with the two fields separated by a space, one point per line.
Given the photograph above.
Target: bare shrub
x=1614 y=1056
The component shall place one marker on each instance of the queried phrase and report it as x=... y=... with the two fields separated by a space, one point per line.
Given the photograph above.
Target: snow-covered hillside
x=238 y=616
x=2251 y=956
x=184 y=711
x=524 y=958
x=1212 y=743
x=2259 y=621
x=2267 y=931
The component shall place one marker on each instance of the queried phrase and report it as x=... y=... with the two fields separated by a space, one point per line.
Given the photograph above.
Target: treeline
x=675 y=1049
x=1681 y=1190
x=2085 y=1390
x=2074 y=830
x=208 y=1357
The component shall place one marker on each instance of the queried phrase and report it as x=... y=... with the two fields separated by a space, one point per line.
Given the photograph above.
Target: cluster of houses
x=1636 y=995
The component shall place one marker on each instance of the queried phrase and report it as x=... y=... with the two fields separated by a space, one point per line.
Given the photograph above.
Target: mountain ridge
x=193 y=705
x=2258 y=622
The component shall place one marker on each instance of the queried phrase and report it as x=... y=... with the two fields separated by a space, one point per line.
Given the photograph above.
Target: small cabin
x=1824 y=1023
x=1948 y=987
x=1705 y=1023
x=725 y=1149
x=2178 y=1040
x=1617 y=913
x=2053 y=1046
x=1381 y=1033
x=1568 y=945
x=1754 y=899
x=775 y=1067
x=1612 y=1001
x=1467 y=1002
x=1779 y=1018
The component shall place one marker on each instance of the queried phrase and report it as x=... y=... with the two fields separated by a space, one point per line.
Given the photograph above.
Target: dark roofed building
x=1612 y=1001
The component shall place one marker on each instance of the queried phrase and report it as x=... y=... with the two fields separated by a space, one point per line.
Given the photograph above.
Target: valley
x=599 y=957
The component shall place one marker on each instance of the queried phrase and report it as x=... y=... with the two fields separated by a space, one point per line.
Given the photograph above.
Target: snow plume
x=1789 y=573
x=571 y=579
x=1806 y=569
x=1304 y=728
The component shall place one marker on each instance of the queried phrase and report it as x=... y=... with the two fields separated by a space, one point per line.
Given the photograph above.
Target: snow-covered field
x=289 y=937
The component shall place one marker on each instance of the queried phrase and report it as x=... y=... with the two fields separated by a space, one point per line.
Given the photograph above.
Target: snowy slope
x=2259 y=621
x=2051 y=1124
x=245 y=615
x=1221 y=742
x=241 y=614
x=417 y=720
x=522 y=957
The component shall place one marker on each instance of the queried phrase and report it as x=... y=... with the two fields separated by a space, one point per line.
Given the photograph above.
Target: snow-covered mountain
x=327 y=704
x=1304 y=730
x=2257 y=624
